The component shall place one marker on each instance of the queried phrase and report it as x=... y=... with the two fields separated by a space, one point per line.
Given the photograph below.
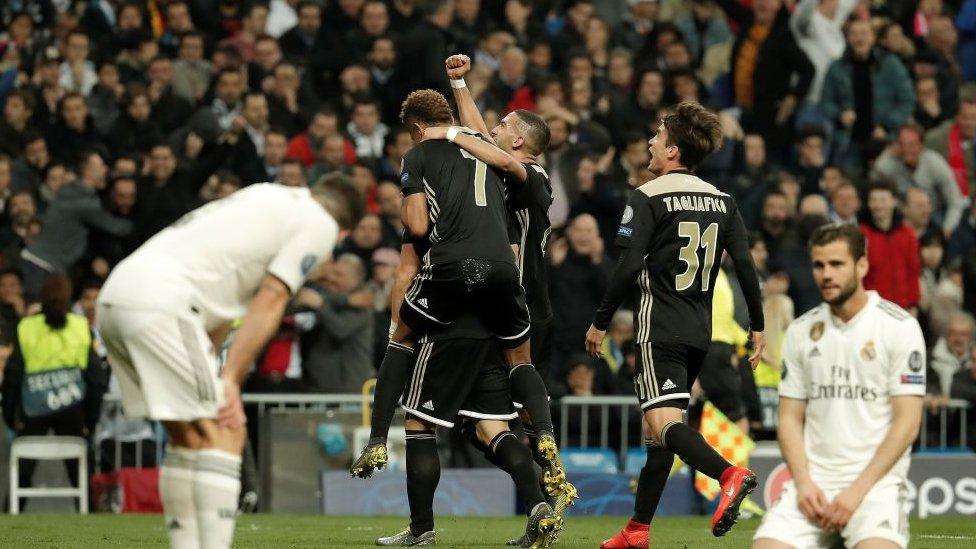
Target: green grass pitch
x=286 y=531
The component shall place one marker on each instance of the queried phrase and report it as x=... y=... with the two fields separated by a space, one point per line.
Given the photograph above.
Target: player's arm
x=737 y=244
x=810 y=499
x=633 y=237
x=414 y=213
x=488 y=153
x=259 y=324
x=457 y=66
x=906 y=387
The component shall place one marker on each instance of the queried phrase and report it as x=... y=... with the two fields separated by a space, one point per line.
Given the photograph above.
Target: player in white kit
x=849 y=410
x=165 y=309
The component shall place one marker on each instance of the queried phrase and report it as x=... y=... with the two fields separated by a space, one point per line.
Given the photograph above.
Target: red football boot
x=737 y=483
x=634 y=536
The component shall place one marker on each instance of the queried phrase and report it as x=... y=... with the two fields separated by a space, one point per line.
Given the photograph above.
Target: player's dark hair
x=55 y=300
x=534 y=130
x=428 y=107
x=847 y=232
x=694 y=130
x=339 y=195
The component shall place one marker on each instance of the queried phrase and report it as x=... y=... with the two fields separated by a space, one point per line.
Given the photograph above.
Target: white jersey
x=212 y=260
x=847 y=373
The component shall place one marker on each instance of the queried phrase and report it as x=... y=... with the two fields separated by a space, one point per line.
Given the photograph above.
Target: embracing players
x=164 y=310
x=850 y=407
x=672 y=234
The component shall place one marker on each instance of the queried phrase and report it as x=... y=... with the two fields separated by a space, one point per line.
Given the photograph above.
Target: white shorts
x=165 y=363
x=882 y=514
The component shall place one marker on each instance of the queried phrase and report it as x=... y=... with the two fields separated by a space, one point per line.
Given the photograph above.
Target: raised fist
x=457 y=66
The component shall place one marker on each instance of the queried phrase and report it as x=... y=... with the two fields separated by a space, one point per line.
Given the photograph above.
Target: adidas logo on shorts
x=423 y=302
x=668 y=384
x=429 y=405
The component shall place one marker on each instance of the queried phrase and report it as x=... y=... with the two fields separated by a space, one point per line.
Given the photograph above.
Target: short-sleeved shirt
x=848 y=373
x=466 y=199
x=214 y=258
x=682 y=225
x=529 y=225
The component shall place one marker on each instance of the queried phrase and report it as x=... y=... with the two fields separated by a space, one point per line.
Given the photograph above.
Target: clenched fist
x=457 y=66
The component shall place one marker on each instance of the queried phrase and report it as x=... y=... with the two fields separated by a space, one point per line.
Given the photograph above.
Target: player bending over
x=672 y=234
x=164 y=310
x=457 y=205
x=850 y=406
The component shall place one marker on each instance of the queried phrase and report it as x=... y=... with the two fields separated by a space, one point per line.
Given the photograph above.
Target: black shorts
x=459 y=377
x=665 y=373
x=488 y=289
x=722 y=382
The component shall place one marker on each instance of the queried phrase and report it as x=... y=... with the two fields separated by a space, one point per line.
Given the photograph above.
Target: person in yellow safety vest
x=720 y=377
x=54 y=380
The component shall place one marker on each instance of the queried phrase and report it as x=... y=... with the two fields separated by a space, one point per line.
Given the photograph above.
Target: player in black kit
x=457 y=203
x=672 y=236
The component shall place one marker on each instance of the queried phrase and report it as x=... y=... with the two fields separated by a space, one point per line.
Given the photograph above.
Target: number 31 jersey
x=682 y=225
x=466 y=199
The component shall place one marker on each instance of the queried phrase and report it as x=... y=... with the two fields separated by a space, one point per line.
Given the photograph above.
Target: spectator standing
x=818 y=26
x=955 y=140
x=770 y=74
x=892 y=249
x=909 y=164
x=339 y=349
x=54 y=381
x=867 y=94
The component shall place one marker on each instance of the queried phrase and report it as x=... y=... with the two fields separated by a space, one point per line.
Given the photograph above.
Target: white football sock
x=216 y=488
x=176 y=493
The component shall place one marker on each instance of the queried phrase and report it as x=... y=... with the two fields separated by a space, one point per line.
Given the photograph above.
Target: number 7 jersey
x=681 y=226
x=466 y=199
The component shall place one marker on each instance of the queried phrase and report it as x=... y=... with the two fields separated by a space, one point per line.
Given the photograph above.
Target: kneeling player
x=850 y=407
x=461 y=372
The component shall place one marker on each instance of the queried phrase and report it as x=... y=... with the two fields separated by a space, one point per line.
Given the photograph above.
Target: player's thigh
x=785 y=526
x=500 y=302
x=490 y=400
x=166 y=365
x=878 y=543
x=218 y=437
x=444 y=374
x=881 y=517
x=433 y=298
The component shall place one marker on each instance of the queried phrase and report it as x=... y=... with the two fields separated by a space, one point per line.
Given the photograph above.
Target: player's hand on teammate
x=842 y=507
x=231 y=413
x=811 y=500
x=594 y=341
x=435 y=132
x=457 y=66
x=758 y=346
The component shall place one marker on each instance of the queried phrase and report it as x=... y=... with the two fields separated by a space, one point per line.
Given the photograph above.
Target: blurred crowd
x=121 y=116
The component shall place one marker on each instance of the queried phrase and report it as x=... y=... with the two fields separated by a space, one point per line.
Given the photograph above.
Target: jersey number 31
x=697 y=238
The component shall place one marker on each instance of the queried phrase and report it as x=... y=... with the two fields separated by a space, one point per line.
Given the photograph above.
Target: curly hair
x=694 y=130
x=428 y=107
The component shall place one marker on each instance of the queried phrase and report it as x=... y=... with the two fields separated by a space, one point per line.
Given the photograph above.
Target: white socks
x=199 y=490
x=176 y=493
x=216 y=488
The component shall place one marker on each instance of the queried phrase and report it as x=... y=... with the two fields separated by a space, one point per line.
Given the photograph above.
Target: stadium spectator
x=191 y=70
x=134 y=131
x=75 y=131
x=597 y=197
x=297 y=42
x=307 y=146
x=966 y=23
x=952 y=351
x=35 y=400
x=287 y=98
x=169 y=111
x=964 y=387
x=577 y=281
x=867 y=94
x=811 y=158
x=954 y=140
x=819 y=30
x=909 y=164
x=77 y=73
x=917 y=207
x=13 y=307
x=292 y=174
x=367 y=132
x=211 y=120
x=962 y=243
x=702 y=27
x=928 y=109
x=18 y=108
x=619 y=333
x=339 y=349
x=770 y=74
x=892 y=248
x=252 y=26
x=845 y=203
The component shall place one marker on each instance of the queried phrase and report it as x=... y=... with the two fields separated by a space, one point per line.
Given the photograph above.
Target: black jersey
x=529 y=203
x=466 y=199
x=673 y=233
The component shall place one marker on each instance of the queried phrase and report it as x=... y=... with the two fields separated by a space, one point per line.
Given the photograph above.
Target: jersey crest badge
x=868 y=352
x=628 y=215
x=817 y=330
x=915 y=361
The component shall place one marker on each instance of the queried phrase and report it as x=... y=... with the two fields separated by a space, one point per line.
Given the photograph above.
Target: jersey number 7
x=697 y=238
x=480 y=172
